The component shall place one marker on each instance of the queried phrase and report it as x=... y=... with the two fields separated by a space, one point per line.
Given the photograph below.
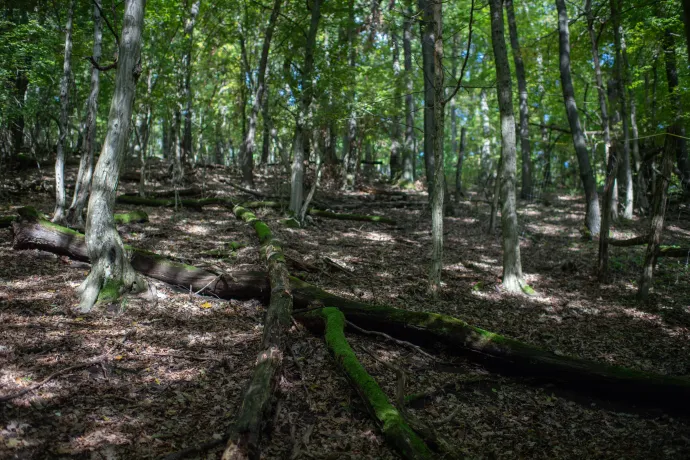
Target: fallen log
x=196 y=204
x=244 y=439
x=185 y=192
x=455 y=336
x=120 y=218
x=670 y=251
x=662 y=251
x=636 y=241
x=388 y=419
x=321 y=213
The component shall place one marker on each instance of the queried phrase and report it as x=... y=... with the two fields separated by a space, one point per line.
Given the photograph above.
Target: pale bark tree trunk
x=434 y=108
x=83 y=186
x=60 y=216
x=458 y=170
x=143 y=133
x=485 y=153
x=250 y=139
x=452 y=105
x=396 y=144
x=307 y=85
x=351 y=154
x=592 y=218
x=512 y=266
x=619 y=68
x=525 y=147
x=408 y=148
x=427 y=39
x=187 y=87
x=110 y=266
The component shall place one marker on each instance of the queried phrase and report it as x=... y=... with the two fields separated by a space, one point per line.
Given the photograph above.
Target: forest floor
x=170 y=372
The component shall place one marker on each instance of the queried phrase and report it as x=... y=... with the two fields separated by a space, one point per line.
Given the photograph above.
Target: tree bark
x=266 y=138
x=428 y=38
x=60 y=216
x=485 y=154
x=110 y=265
x=83 y=185
x=606 y=217
x=187 y=85
x=260 y=90
x=396 y=161
x=458 y=168
x=526 y=191
x=512 y=265
x=350 y=153
x=307 y=85
x=592 y=218
x=409 y=159
x=658 y=211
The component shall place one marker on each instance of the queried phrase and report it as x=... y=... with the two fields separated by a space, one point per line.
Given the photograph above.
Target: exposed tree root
x=244 y=439
x=389 y=420
x=497 y=352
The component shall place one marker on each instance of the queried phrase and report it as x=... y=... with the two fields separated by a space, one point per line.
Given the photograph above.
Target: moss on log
x=320 y=213
x=496 y=351
x=256 y=401
x=131 y=217
x=389 y=420
x=6 y=221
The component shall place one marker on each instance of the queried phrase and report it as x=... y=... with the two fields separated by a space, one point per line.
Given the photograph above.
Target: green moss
x=527 y=289
x=29 y=212
x=6 y=221
x=131 y=217
x=392 y=423
x=291 y=222
x=110 y=291
x=61 y=229
x=235 y=245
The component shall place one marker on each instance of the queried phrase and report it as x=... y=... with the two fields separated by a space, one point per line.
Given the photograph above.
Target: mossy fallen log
x=662 y=251
x=320 y=213
x=132 y=217
x=389 y=420
x=636 y=241
x=244 y=440
x=495 y=351
x=196 y=204
x=35 y=233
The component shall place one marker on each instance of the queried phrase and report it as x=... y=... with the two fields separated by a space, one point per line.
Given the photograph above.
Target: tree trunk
x=458 y=168
x=60 y=216
x=525 y=147
x=83 y=185
x=187 y=86
x=250 y=139
x=606 y=217
x=592 y=218
x=686 y=22
x=307 y=86
x=408 y=148
x=658 y=211
x=485 y=154
x=266 y=138
x=111 y=268
x=512 y=266
x=350 y=153
x=21 y=84
x=428 y=42
x=495 y=351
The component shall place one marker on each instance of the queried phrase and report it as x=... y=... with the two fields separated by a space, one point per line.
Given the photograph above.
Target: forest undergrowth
x=163 y=370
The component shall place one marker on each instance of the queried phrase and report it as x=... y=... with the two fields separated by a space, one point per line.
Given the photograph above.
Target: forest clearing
x=344 y=229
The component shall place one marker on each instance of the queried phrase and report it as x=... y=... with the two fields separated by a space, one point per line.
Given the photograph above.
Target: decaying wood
x=256 y=402
x=455 y=336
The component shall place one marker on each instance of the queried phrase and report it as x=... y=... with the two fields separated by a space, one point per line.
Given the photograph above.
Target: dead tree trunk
x=110 y=265
x=60 y=216
x=83 y=186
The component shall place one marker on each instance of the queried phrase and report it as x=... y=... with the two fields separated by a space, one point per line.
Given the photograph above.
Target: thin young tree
x=60 y=215
x=187 y=96
x=592 y=217
x=260 y=89
x=408 y=147
x=83 y=186
x=512 y=265
x=110 y=266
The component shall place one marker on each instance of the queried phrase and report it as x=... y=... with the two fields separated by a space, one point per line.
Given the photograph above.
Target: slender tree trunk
x=110 y=266
x=432 y=48
x=350 y=154
x=60 y=216
x=409 y=146
x=187 y=88
x=458 y=170
x=593 y=218
x=307 y=85
x=21 y=83
x=396 y=132
x=250 y=139
x=512 y=266
x=266 y=138
x=144 y=132
x=485 y=154
x=525 y=147
x=83 y=185
x=611 y=172
x=686 y=22
x=658 y=210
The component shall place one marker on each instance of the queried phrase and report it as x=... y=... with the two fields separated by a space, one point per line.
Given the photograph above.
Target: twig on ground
x=394 y=340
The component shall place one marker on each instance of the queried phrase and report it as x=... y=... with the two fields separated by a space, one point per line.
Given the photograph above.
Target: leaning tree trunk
x=525 y=146
x=307 y=85
x=512 y=266
x=408 y=148
x=658 y=210
x=110 y=267
x=250 y=139
x=592 y=218
x=60 y=196
x=83 y=186
x=187 y=84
